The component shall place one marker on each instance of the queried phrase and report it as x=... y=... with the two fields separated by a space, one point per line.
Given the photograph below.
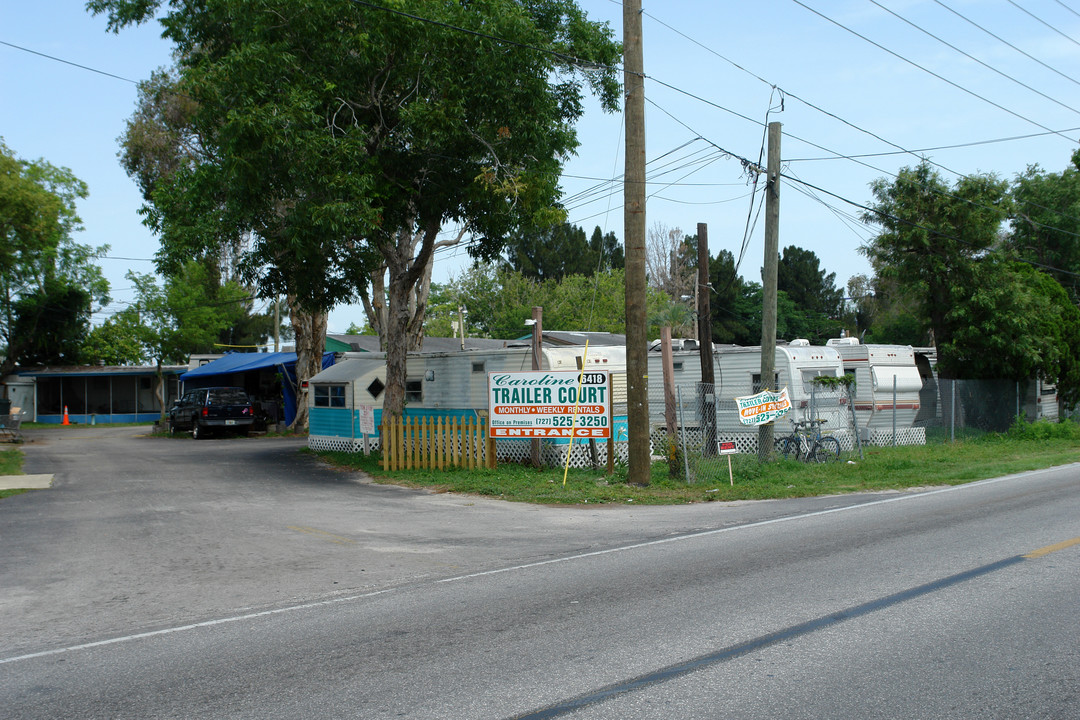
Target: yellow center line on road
x=1044 y=551
x=322 y=533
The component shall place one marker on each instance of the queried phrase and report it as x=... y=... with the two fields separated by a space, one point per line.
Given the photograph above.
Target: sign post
x=546 y=404
x=728 y=448
x=366 y=420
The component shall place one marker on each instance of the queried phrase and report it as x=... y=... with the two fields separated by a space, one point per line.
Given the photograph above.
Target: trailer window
x=478 y=366
x=375 y=388
x=809 y=375
x=756 y=380
x=414 y=391
x=330 y=396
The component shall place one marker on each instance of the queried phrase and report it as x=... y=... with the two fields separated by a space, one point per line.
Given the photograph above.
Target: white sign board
x=366 y=419
x=763 y=407
x=543 y=404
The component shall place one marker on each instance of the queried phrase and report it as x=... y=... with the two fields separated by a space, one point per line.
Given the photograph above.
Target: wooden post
x=637 y=361
x=669 y=399
x=768 y=284
x=537 y=349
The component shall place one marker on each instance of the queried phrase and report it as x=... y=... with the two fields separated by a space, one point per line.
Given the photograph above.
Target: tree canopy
x=560 y=250
x=932 y=236
x=1046 y=222
x=48 y=282
x=346 y=137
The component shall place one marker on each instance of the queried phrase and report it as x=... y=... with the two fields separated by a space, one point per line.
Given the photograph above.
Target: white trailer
x=737 y=373
x=441 y=384
x=887 y=387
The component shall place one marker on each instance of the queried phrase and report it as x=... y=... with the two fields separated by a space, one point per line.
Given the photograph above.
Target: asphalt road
x=167 y=578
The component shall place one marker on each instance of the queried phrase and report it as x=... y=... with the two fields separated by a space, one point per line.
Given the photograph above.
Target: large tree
x=813 y=292
x=48 y=282
x=498 y=301
x=162 y=144
x=346 y=137
x=931 y=238
x=554 y=252
x=1015 y=323
x=1046 y=222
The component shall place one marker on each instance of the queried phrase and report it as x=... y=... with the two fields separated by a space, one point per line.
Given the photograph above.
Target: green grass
x=884 y=468
x=11 y=462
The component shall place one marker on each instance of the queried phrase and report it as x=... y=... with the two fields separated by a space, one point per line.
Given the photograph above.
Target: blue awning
x=283 y=362
x=241 y=362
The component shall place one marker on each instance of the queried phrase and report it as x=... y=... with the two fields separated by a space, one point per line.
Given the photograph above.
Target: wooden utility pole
x=768 y=284
x=704 y=312
x=537 y=348
x=637 y=360
x=707 y=396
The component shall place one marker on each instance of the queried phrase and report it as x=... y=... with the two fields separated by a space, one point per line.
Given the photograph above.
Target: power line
x=972 y=57
x=1006 y=42
x=68 y=62
x=956 y=146
x=944 y=79
x=1039 y=20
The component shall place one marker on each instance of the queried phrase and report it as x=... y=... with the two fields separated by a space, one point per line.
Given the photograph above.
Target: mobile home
x=737 y=373
x=442 y=384
x=887 y=388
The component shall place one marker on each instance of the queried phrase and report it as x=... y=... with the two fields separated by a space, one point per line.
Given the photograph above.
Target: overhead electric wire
x=1077 y=14
x=832 y=115
x=68 y=62
x=913 y=224
x=1038 y=19
x=968 y=55
x=919 y=151
x=929 y=71
x=1006 y=42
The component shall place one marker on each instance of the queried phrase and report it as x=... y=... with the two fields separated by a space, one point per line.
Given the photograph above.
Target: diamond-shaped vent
x=375 y=388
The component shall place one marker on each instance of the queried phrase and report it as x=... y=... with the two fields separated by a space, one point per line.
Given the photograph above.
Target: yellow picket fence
x=435 y=443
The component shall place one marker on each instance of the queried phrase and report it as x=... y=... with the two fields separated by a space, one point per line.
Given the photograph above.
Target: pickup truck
x=214 y=409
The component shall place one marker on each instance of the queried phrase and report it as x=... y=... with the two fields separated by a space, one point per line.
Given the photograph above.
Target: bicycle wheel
x=788 y=447
x=827 y=449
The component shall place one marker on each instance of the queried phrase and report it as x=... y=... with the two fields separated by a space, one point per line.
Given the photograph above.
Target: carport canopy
x=231 y=363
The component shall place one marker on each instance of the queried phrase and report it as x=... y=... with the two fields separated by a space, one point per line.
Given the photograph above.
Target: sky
x=862 y=88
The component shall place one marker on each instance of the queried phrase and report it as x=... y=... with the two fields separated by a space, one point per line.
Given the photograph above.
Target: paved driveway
x=141 y=532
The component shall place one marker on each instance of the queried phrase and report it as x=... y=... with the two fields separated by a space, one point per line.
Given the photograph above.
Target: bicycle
x=807 y=443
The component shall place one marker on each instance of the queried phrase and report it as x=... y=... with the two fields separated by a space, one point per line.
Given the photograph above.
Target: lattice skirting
x=554 y=455
x=904 y=436
x=745 y=442
x=511 y=451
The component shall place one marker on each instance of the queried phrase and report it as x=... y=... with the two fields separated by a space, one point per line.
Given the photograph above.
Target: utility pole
x=703 y=318
x=768 y=284
x=537 y=348
x=637 y=360
x=277 y=324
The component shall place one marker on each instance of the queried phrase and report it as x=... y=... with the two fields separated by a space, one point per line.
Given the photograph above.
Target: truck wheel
x=197 y=432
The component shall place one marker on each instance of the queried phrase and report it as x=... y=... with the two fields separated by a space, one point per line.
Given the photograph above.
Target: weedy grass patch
x=976 y=457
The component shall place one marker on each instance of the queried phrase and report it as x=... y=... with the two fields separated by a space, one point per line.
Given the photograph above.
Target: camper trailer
x=887 y=387
x=441 y=384
x=737 y=373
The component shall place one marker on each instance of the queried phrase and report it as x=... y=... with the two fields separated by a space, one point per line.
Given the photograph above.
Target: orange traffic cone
x=66 y=421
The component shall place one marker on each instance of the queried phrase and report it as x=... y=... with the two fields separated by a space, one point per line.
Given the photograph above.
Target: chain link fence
x=947 y=410
x=704 y=424
x=954 y=409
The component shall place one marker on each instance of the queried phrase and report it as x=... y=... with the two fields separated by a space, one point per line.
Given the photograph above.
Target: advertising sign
x=726 y=448
x=543 y=404
x=366 y=416
x=763 y=407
